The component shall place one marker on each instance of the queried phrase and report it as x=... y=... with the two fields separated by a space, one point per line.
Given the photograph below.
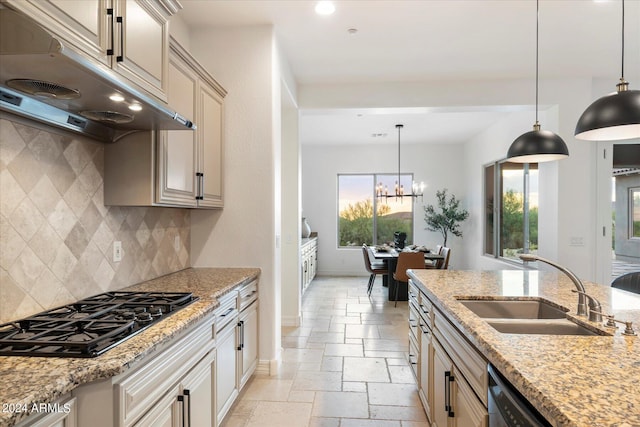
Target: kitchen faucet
x=582 y=293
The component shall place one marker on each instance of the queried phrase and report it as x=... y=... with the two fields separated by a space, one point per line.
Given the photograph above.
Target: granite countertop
x=35 y=380
x=585 y=381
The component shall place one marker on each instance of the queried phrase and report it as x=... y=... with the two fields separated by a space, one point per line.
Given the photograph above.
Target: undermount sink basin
x=529 y=316
x=541 y=327
x=513 y=309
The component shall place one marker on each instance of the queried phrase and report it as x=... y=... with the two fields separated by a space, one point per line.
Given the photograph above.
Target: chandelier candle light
x=417 y=190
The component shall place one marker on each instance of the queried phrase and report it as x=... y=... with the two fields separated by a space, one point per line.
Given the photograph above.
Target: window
x=634 y=217
x=511 y=209
x=357 y=203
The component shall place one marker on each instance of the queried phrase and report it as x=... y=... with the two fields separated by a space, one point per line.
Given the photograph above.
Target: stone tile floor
x=345 y=366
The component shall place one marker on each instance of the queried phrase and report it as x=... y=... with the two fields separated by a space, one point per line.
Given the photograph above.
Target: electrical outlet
x=176 y=243
x=117 y=251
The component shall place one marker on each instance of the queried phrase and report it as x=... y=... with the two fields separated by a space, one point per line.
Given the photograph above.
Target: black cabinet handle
x=120 y=21
x=110 y=49
x=187 y=395
x=448 y=379
x=199 y=186
x=241 y=343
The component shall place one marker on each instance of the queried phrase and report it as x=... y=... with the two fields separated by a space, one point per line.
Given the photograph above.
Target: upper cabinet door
x=211 y=146
x=177 y=149
x=141 y=45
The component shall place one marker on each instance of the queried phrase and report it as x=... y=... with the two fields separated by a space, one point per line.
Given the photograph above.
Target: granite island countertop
x=580 y=381
x=29 y=380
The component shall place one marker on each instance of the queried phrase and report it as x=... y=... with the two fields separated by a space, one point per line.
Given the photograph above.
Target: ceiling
x=432 y=40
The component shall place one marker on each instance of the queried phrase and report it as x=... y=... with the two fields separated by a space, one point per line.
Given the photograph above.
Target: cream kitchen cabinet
x=187 y=404
x=452 y=375
x=237 y=344
x=129 y=36
x=227 y=359
x=173 y=168
x=309 y=261
x=190 y=164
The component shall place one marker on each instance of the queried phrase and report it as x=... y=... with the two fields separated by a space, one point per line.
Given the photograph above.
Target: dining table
x=390 y=257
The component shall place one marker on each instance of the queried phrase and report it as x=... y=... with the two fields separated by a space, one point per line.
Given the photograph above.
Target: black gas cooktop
x=89 y=327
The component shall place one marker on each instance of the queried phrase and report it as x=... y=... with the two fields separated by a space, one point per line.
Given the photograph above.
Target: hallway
x=345 y=366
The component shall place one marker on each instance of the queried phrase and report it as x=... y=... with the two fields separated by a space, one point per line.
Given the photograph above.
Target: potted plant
x=448 y=218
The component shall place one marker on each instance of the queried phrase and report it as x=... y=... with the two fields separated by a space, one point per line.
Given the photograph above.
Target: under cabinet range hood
x=44 y=79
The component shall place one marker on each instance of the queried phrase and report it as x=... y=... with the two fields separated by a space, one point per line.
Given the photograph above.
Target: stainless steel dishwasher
x=507 y=407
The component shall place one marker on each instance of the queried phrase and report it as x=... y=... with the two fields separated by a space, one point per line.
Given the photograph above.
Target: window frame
x=631 y=228
x=496 y=210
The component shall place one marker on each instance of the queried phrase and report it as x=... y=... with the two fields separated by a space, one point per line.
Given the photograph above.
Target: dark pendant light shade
x=611 y=118
x=537 y=146
x=615 y=116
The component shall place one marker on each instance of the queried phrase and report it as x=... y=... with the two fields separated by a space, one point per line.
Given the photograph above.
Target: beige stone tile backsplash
x=56 y=235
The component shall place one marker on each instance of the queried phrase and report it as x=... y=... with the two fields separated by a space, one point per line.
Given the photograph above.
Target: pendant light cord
x=622 y=72
x=537 y=42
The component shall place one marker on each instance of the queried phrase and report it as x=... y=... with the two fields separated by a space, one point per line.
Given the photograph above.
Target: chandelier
x=417 y=190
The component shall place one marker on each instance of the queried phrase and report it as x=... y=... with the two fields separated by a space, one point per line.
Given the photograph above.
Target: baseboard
x=291 y=320
x=263 y=367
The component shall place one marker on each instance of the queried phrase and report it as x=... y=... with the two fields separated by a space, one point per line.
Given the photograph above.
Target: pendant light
x=416 y=190
x=537 y=145
x=615 y=116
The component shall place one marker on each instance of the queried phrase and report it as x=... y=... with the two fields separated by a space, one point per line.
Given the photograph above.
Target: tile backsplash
x=56 y=235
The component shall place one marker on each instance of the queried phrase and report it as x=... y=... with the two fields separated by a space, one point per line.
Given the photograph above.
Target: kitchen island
x=582 y=381
x=39 y=380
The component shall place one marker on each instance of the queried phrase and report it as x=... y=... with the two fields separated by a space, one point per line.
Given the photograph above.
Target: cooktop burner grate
x=89 y=327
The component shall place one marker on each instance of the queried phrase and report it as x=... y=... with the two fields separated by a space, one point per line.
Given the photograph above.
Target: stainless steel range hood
x=43 y=79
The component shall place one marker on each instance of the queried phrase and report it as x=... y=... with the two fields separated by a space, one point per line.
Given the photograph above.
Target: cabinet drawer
x=470 y=363
x=137 y=392
x=413 y=356
x=425 y=309
x=414 y=320
x=227 y=312
x=247 y=294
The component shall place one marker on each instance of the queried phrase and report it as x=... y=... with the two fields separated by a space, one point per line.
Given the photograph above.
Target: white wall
x=321 y=166
x=572 y=192
x=244 y=232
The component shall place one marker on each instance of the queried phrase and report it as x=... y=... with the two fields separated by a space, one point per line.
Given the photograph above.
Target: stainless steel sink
x=514 y=309
x=541 y=327
x=528 y=316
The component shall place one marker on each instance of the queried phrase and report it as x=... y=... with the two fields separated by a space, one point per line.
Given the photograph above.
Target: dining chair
x=628 y=282
x=446 y=253
x=374 y=268
x=430 y=263
x=406 y=260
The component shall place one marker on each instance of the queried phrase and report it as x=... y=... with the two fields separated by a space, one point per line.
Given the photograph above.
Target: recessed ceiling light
x=135 y=107
x=116 y=97
x=325 y=8
x=352 y=31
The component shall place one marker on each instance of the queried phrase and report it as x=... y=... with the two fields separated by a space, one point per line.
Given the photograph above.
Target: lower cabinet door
x=226 y=367
x=167 y=412
x=425 y=369
x=248 y=342
x=442 y=410
x=469 y=412
x=197 y=389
